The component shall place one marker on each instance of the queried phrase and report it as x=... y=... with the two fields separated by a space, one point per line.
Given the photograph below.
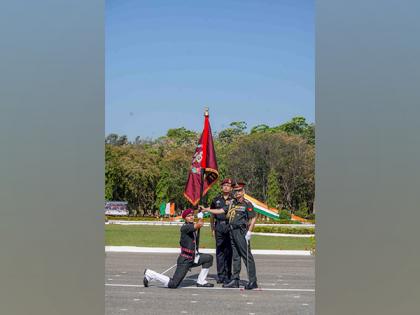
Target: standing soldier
x=242 y=219
x=188 y=257
x=220 y=231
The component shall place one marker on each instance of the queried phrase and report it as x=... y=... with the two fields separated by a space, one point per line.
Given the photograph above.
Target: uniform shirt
x=219 y=202
x=244 y=211
x=187 y=240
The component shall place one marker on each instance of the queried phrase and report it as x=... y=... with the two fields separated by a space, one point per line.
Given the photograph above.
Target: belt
x=187 y=253
x=221 y=222
x=237 y=226
x=187 y=256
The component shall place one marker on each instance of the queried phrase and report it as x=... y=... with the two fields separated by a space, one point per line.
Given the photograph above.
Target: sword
x=168 y=269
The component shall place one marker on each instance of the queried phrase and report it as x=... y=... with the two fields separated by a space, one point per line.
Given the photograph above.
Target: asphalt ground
x=287 y=286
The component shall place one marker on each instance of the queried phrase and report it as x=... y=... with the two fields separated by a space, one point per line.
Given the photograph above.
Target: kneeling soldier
x=188 y=257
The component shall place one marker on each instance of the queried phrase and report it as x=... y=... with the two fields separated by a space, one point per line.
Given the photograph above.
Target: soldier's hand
x=202 y=208
x=200 y=215
x=248 y=236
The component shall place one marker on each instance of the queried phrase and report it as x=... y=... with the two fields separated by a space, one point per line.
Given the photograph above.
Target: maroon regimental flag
x=204 y=158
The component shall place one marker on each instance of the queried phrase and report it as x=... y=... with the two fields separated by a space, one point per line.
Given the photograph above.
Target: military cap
x=239 y=185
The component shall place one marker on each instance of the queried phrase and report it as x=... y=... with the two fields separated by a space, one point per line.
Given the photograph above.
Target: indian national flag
x=262 y=208
x=167 y=208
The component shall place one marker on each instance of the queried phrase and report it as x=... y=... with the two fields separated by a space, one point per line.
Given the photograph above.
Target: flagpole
x=206 y=114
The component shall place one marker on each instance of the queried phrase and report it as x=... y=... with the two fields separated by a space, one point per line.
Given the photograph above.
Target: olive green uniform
x=240 y=213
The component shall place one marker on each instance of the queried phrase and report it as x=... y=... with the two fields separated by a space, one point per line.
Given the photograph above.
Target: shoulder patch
x=250 y=208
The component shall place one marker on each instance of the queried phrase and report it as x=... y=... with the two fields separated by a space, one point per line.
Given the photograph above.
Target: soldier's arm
x=212 y=223
x=214 y=211
x=251 y=224
x=252 y=216
x=199 y=224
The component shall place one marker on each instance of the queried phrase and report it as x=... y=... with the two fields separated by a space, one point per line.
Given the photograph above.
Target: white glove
x=248 y=236
x=200 y=215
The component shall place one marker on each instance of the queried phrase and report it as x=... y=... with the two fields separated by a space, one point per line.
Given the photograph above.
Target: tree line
x=277 y=163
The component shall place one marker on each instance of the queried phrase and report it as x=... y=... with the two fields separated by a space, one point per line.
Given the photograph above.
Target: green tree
x=237 y=128
x=174 y=169
x=252 y=157
x=114 y=139
x=148 y=171
x=131 y=175
x=273 y=191
x=298 y=126
x=114 y=177
x=260 y=128
x=182 y=136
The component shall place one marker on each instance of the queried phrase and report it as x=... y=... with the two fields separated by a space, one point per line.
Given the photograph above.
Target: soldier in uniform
x=221 y=233
x=188 y=257
x=242 y=219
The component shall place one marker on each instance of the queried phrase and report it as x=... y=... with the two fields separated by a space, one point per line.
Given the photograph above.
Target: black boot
x=145 y=281
x=251 y=285
x=206 y=285
x=232 y=284
x=227 y=281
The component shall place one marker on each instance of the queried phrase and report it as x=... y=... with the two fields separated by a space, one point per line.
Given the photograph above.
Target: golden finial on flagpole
x=206 y=111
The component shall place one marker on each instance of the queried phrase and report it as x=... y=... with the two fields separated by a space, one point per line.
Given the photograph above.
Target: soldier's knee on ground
x=172 y=284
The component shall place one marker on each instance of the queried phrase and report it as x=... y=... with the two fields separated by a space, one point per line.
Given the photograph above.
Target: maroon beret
x=186 y=212
x=227 y=181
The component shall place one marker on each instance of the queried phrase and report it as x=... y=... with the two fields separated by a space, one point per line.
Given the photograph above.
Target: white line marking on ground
x=297 y=296
x=123 y=309
x=110 y=279
x=304 y=304
x=283 y=234
x=136 y=300
x=193 y=301
x=173 y=223
x=169 y=250
x=204 y=288
x=249 y=303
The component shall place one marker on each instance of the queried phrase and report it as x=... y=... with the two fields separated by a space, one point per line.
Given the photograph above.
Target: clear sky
x=249 y=61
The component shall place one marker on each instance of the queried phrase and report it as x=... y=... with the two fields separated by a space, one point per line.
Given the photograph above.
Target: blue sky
x=249 y=61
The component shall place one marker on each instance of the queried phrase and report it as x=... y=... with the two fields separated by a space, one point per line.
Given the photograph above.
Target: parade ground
x=287 y=286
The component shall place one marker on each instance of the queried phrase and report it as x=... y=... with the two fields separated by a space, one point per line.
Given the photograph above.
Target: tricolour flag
x=262 y=208
x=167 y=208
x=204 y=160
